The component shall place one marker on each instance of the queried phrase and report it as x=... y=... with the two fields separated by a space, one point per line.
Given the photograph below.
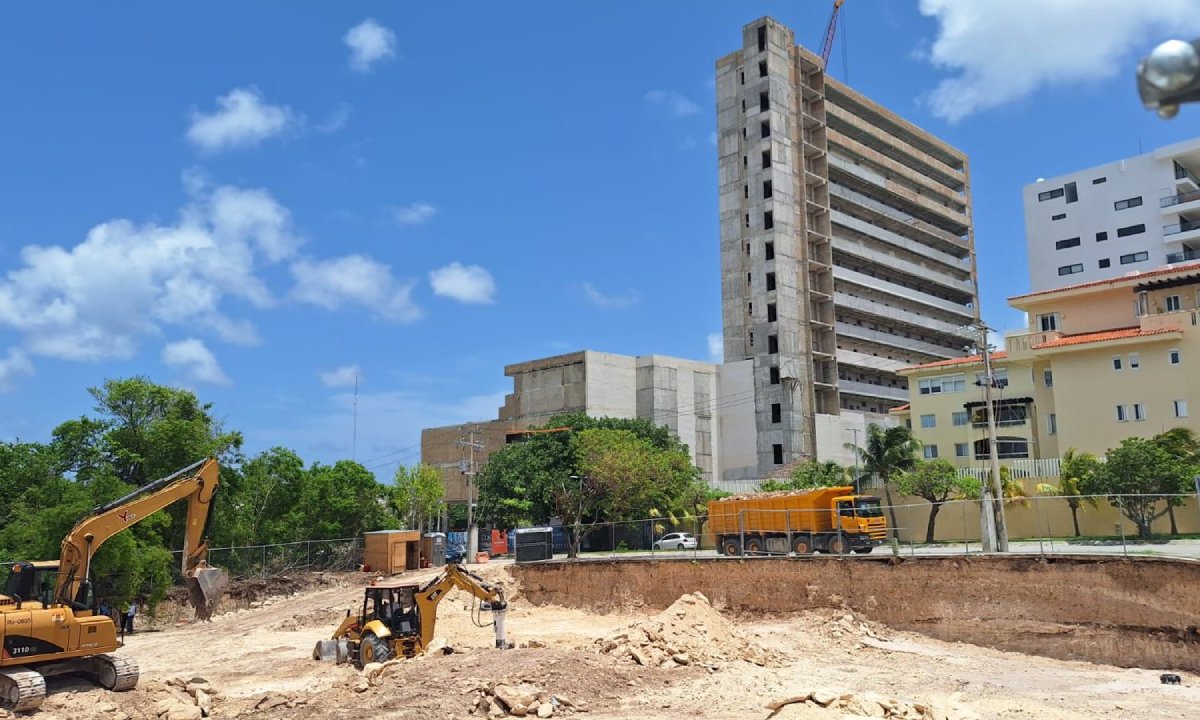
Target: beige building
x=1099 y=362
x=846 y=244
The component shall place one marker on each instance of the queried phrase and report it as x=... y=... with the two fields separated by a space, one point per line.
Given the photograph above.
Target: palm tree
x=888 y=451
x=1183 y=444
x=1076 y=467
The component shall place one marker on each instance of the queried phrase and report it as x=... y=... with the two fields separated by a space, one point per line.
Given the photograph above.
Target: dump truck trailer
x=830 y=519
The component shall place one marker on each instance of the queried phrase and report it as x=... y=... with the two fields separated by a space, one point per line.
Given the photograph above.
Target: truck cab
x=862 y=516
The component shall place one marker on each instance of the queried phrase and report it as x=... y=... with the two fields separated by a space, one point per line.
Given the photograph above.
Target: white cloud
x=1005 y=50
x=95 y=299
x=196 y=360
x=997 y=340
x=599 y=299
x=716 y=347
x=241 y=120
x=336 y=121
x=341 y=377
x=414 y=214
x=465 y=283
x=354 y=280
x=10 y=367
x=369 y=43
x=673 y=102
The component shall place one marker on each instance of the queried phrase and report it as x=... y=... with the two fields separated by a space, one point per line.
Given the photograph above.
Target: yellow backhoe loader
x=397 y=620
x=49 y=623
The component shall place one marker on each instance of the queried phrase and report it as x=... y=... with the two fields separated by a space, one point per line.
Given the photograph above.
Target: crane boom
x=830 y=32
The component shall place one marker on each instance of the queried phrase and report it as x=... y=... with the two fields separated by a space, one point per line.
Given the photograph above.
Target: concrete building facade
x=1099 y=362
x=1128 y=215
x=846 y=244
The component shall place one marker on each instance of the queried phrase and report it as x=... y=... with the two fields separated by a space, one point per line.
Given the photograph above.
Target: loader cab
x=393 y=605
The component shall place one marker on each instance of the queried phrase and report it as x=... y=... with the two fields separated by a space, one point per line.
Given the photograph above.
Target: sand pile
x=689 y=632
x=851 y=706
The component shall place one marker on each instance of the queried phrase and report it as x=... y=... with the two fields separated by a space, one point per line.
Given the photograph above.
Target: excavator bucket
x=205 y=586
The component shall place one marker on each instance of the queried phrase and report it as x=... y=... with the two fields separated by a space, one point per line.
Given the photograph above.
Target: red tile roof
x=998 y=355
x=1102 y=336
x=901 y=408
x=1113 y=281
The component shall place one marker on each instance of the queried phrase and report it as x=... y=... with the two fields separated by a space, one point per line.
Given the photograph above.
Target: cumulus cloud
x=15 y=364
x=616 y=302
x=369 y=43
x=341 y=377
x=716 y=347
x=195 y=360
x=414 y=214
x=672 y=102
x=1004 y=50
x=354 y=280
x=242 y=119
x=465 y=283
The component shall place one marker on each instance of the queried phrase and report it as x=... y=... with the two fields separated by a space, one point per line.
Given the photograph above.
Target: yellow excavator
x=397 y=620
x=49 y=622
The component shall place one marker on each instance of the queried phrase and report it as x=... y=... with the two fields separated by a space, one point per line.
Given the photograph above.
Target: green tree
x=936 y=481
x=887 y=452
x=516 y=485
x=259 y=504
x=339 y=501
x=809 y=474
x=416 y=494
x=1133 y=476
x=1075 y=468
x=1184 y=445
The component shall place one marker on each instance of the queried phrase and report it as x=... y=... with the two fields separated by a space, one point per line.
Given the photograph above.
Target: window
x=1070 y=269
x=774 y=376
x=1006 y=447
x=764 y=102
x=747 y=248
x=1101 y=236
x=746 y=191
x=1051 y=424
x=766 y=189
x=1006 y=414
x=768 y=220
x=961 y=449
x=742 y=77
x=1121 y=416
x=945 y=384
x=1068 y=243
x=744 y=133
x=999 y=378
x=1135 y=361
x=1116 y=362
x=766 y=158
x=751 y=339
x=1131 y=230
x=1050 y=194
x=1173 y=356
x=770 y=282
x=1072 y=195
x=1126 y=204
x=1139 y=411
x=928 y=421
x=776 y=412
x=762 y=69
x=747 y=219
x=1099 y=180
x=771 y=315
x=1134 y=258
x=930 y=452
x=1181 y=408
x=1048 y=322
x=766 y=128
x=769 y=251
x=762 y=45
x=1173 y=304
x=1105 y=262
x=772 y=343
x=1060 y=216
x=748 y=281
x=1048 y=377
x=750 y=309
x=777 y=454
x=960 y=417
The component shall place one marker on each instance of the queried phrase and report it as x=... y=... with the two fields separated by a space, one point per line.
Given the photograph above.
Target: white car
x=676 y=541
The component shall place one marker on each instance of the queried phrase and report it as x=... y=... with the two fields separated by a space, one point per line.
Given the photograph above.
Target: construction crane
x=830 y=31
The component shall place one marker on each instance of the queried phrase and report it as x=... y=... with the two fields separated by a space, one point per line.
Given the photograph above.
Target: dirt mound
x=243 y=594
x=870 y=705
x=690 y=631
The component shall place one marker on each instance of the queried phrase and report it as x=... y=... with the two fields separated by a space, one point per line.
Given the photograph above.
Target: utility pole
x=354 y=436
x=995 y=514
x=857 y=482
x=470 y=445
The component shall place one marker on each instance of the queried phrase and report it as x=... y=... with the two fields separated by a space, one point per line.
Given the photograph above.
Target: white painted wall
x=835 y=431
x=733 y=422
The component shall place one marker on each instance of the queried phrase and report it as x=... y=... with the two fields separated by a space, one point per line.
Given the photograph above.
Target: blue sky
x=253 y=201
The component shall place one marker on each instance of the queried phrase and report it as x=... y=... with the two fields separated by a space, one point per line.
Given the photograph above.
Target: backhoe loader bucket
x=205 y=586
x=336 y=650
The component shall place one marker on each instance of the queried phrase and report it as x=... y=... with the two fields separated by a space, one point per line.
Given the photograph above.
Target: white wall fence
x=1048 y=468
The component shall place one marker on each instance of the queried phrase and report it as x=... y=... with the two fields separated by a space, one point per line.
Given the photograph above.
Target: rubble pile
x=523 y=700
x=689 y=632
x=180 y=699
x=865 y=706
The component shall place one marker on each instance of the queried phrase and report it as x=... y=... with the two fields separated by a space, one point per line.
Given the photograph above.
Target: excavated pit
x=1126 y=612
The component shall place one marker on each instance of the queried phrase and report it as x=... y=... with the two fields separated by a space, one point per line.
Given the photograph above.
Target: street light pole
x=997 y=486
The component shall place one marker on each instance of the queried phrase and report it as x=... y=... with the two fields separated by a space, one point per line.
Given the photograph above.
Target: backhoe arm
x=198 y=483
x=455 y=576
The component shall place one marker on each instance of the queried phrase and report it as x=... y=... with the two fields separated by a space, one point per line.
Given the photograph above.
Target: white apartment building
x=1130 y=215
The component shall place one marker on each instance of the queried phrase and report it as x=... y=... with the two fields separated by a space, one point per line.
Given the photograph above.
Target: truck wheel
x=864 y=550
x=802 y=546
x=754 y=546
x=731 y=547
x=837 y=545
x=373 y=649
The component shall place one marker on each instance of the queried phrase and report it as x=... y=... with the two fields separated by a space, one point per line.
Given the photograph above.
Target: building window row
x=1070 y=269
x=1131 y=230
x=928 y=421
x=1068 y=243
x=945 y=384
x=1135 y=258
x=1127 y=203
x=1060 y=216
x=1139 y=412
x=930 y=451
x=1104 y=262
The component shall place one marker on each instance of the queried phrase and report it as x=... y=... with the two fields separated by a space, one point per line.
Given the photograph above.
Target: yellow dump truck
x=831 y=519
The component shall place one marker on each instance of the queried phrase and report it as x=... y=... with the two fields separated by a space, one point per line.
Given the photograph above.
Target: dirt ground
x=697 y=662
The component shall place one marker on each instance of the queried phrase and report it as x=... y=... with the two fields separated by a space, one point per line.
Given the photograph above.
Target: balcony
x=1185 y=256
x=853 y=387
x=1181 y=198
x=961 y=313
x=1183 y=230
x=1020 y=345
x=1184 y=177
x=920 y=321
x=877 y=337
x=1175 y=320
x=926 y=274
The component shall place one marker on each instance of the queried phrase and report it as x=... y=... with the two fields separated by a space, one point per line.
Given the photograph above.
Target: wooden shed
x=392 y=551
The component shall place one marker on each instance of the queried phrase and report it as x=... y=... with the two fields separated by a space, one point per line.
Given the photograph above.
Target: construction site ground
x=699 y=662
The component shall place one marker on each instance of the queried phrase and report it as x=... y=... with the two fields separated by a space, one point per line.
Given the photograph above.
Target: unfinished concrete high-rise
x=846 y=244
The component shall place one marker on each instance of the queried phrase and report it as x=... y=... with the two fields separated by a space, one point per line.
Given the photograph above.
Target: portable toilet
x=433 y=547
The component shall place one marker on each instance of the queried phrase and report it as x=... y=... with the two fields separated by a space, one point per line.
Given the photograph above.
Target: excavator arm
x=491 y=597
x=198 y=484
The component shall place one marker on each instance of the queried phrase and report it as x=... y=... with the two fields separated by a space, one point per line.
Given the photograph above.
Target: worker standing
x=127 y=618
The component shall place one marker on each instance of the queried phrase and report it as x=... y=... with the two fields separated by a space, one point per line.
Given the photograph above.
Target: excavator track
x=115 y=672
x=21 y=689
